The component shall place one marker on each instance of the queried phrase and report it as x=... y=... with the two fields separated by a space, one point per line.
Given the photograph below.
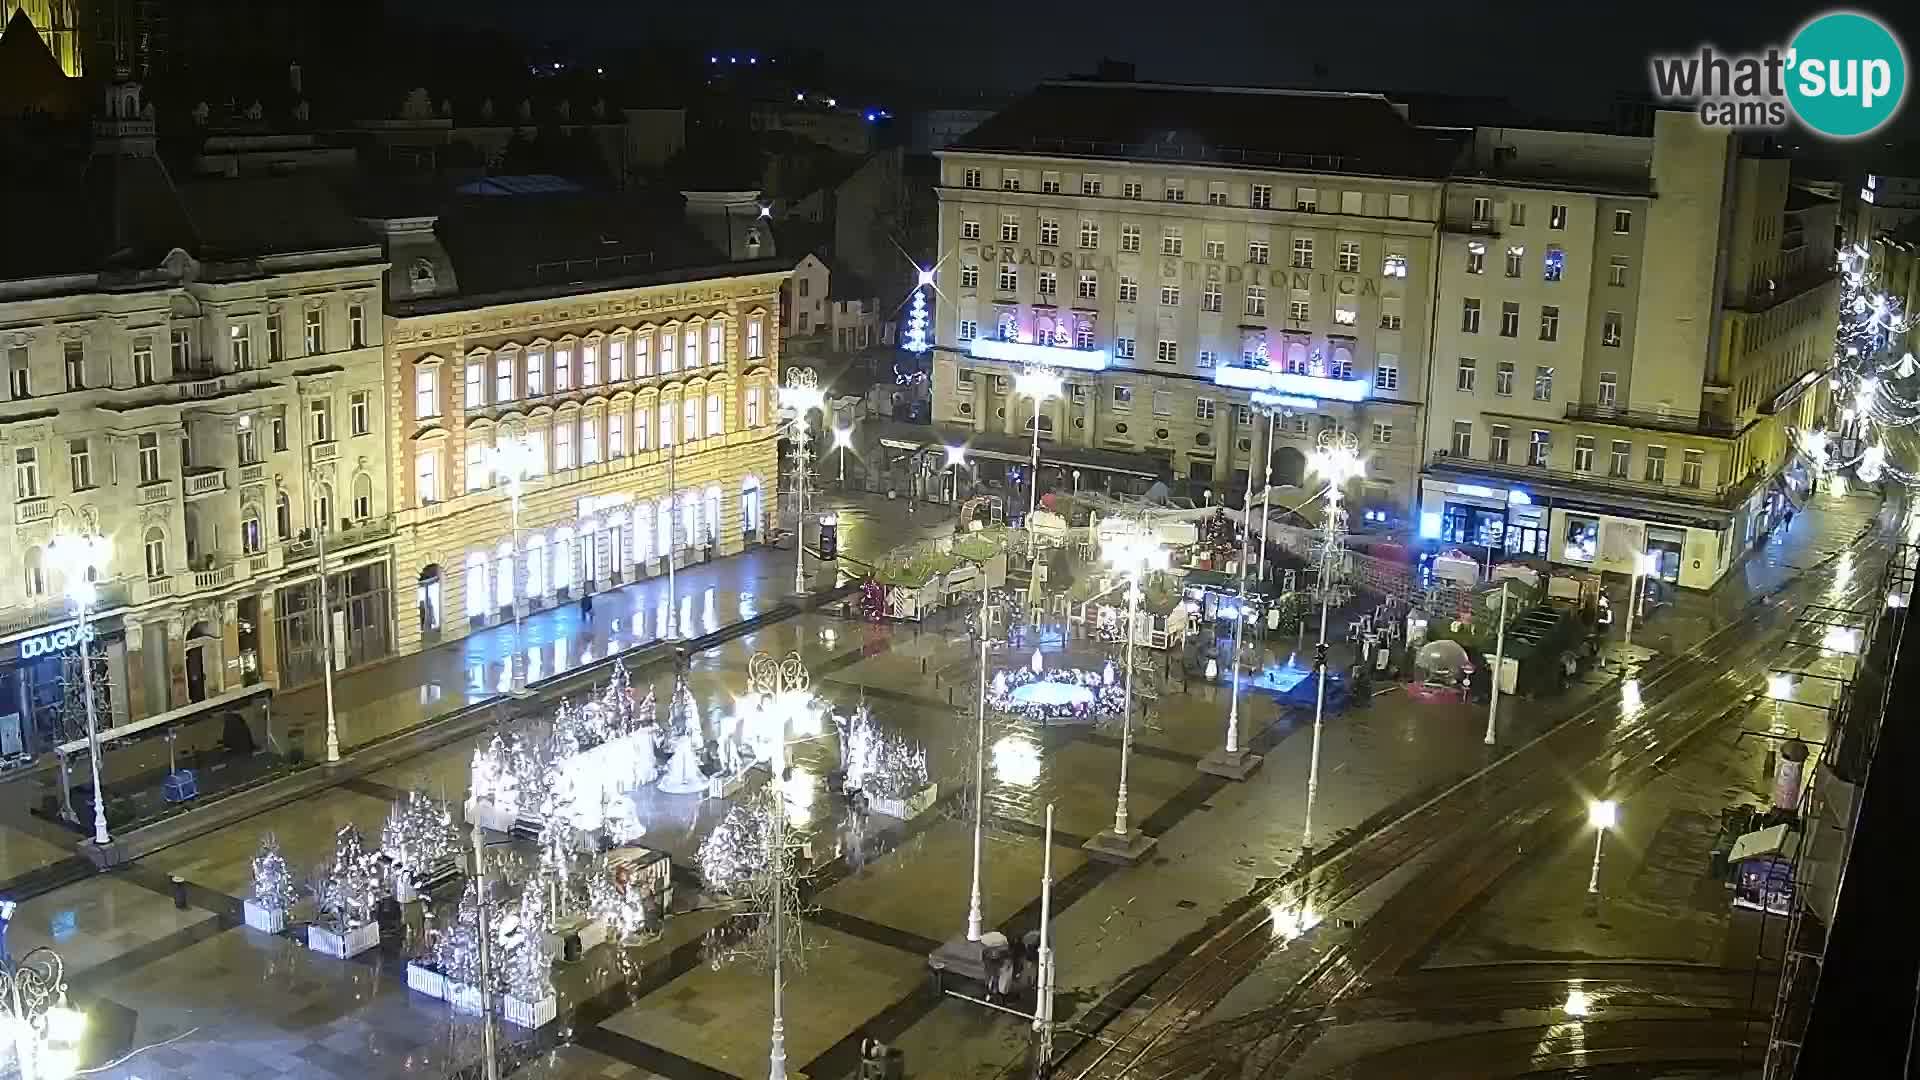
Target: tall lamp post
x=1276 y=407
x=1039 y=385
x=842 y=442
x=79 y=559
x=1602 y=814
x=1133 y=552
x=956 y=457
x=1233 y=761
x=1499 y=663
x=316 y=481
x=45 y=1030
x=1336 y=460
x=799 y=396
x=516 y=458
x=963 y=954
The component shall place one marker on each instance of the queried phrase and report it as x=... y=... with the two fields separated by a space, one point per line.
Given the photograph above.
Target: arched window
x=642 y=532
x=750 y=506
x=712 y=522
x=362 y=497
x=503 y=575
x=283 y=516
x=690 y=518
x=156 y=549
x=663 y=529
x=252 y=539
x=1296 y=358
x=36 y=572
x=536 y=548
x=322 y=505
x=476 y=584
x=563 y=558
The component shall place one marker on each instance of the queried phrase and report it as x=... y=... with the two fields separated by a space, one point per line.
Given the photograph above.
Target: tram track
x=1512 y=806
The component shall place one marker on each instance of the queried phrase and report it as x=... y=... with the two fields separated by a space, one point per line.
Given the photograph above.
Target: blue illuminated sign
x=1286 y=382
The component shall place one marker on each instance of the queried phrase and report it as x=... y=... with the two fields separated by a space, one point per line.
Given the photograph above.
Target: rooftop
x=1287 y=129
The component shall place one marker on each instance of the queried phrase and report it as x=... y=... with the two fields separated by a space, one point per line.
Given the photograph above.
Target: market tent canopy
x=1759 y=844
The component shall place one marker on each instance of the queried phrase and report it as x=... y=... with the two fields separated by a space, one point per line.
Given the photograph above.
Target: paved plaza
x=227 y=1001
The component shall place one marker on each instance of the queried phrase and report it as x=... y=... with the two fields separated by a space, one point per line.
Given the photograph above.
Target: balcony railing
x=206 y=482
x=326 y=451
x=157 y=492
x=1655 y=419
x=252 y=474
x=1719 y=495
x=28 y=511
x=306 y=546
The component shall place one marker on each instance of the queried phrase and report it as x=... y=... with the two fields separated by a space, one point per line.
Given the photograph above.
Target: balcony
x=28 y=511
x=158 y=491
x=205 y=481
x=215 y=577
x=252 y=474
x=1652 y=419
x=307 y=546
x=1470 y=226
x=1718 y=496
x=325 y=451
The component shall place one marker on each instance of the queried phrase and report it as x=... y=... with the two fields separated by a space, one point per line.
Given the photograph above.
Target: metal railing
x=1716 y=495
x=1657 y=419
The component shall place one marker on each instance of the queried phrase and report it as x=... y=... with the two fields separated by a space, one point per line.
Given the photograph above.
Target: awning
x=1756 y=845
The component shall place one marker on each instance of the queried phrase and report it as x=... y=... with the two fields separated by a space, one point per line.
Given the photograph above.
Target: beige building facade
x=648 y=404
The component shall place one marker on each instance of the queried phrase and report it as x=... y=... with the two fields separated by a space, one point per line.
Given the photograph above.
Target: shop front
x=41 y=701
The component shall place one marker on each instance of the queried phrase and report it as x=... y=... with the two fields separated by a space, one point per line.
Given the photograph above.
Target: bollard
x=179 y=885
x=949 y=695
x=923 y=665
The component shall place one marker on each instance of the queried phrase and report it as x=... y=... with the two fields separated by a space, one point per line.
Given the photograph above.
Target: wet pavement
x=1133 y=942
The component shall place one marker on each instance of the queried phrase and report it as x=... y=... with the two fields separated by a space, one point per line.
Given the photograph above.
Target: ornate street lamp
x=1336 y=460
x=1039 y=385
x=799 y=396
x=1133 y=552
x=79 y=559
x=515 y=457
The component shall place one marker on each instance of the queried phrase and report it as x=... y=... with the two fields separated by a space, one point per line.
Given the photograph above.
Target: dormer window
x=421 y=275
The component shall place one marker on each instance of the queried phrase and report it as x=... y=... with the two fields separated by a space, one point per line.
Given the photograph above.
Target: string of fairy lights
x=1884 y=402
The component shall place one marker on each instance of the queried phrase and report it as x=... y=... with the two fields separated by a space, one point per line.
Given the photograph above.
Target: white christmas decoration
x=881 y=764
x=916 y=339
x=352 y=883
x=419 y=834
x=273 y=885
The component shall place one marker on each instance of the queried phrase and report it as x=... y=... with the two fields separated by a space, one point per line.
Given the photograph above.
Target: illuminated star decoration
x=917 y=313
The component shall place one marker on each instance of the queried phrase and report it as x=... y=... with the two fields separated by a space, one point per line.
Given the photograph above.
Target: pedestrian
x=586 y=605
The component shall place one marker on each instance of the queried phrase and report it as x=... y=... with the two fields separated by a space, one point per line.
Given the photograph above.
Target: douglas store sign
x=54 y=641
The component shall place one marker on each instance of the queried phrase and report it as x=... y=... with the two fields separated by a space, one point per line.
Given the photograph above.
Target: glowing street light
x=956 y=457
x=800 y=395
x=45 y=1030
x=514 y=458
x=1336 y=460
x=79 y=560
x=1133 y=552
x=1602 y=814
x=1232 y=761
x=1040 y=385
x=842 y=442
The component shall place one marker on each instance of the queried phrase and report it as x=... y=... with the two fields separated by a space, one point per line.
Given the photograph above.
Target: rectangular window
x=970 y=178
x=279 y=424
x=1260 y=196
x=1542 y=383
x=1476 y=257
x=716 y=415
x=1516 y=213
x=1303 y=252
x=690 y=419
x=1169 y=352
x=80 y=464
x=1123 y=348
x=1256 y=300
x=1464 y=377
x=149 y=459
x=969 y=230
x=1169 y=296
x=642 y=355
x=1619 y=459
x=1132 y=189
x=319 y=420
x=1382 y=434
x=1049 y=232
x=1393 y=265
x=1540 y=449
x=1259 y=252
x=143 y=374
x=1050 y=183
x=503 y=377
x=1171 y=242
x=1469 y=316
x=1089 y=235
x=1556 y=216
x=1089 y=288
x=1216 y=193
x=1610 y=329
x=1483 y=211
x=1352 y=202
x=1656 y=464
x=1498 y=438
x=1344 y=312
x=239 y=346
x=426 y=475
x=692 y=343
x=1242 y=416
x=1009 y=278
x=1399 y=205
x=563 y=444
x=246 y=444
x=1554 y=265
x=1550 y=323
x=1349 y=257
x=360 y=412
x=617 y=357
x=276 y=338
x=476 y=384
x=537 y=372
x=1176 y=191
x=1049 y=284
x=357 y=325
x=969 y=329
x=589 y=440
x=1390 y=312
x=1306 y=199
x=640 y=426
x=1162 y=403
x=1299 y=310
x=1692 y=468
x=1623 y=221
x=670 y=347
x=755 y=338
x=1583 y=453
x=477 y=478
x=1609 y=387
x=1129 y=238
x=1503 y=379
x=426 y=393
x=616 y=434
x=1203 y=408
x=1089 y=184
x=590 y=364
x=75 y=361
x=1129 y=290
x=1210 y=296
x=1009 y=228
x=316 y=331
x=1516 y=256
x=1509 y=320
x=1083 y=336
x=1009 y=181
x=26 y=474
x=1386 y=372
x=1617 y=271
x=1122 y=398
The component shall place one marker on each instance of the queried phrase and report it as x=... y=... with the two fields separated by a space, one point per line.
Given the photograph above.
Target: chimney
x=733 y=222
